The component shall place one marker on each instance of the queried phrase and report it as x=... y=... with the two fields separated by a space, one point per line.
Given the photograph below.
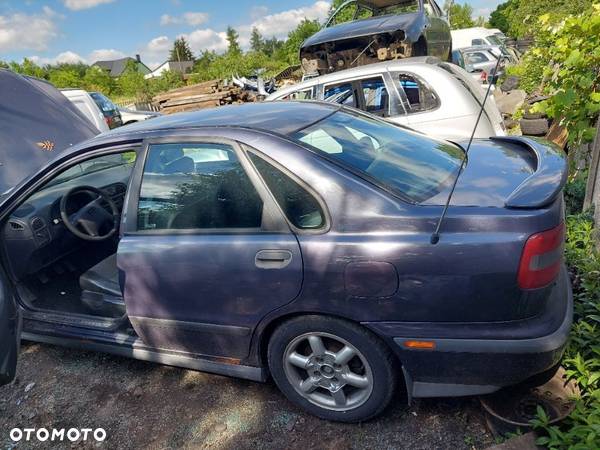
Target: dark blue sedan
x=293 y=240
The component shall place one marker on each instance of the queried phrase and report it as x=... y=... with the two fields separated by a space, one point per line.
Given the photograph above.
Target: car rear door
x=206 y=253
x=10 y=331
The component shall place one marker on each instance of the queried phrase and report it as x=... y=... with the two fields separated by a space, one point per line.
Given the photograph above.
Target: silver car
x=437 y=98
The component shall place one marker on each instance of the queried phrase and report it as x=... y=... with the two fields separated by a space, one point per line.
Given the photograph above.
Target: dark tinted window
x=410 y=164
x=103 y=103
x=340 y=93
x=191 y=186
x=420 y=97
x=300 y=207
x=476 y=57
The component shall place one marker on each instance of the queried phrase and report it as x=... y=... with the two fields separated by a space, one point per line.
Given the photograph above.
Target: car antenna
x=435 y=237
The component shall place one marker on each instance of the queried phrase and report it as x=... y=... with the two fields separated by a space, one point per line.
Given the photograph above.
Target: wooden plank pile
x=200 y=96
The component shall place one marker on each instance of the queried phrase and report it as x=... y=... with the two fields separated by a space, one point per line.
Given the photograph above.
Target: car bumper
x=473 y=366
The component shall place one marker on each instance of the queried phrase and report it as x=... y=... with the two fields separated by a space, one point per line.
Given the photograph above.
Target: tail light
x=484 y=76
x=108 y=121
x=542 y=258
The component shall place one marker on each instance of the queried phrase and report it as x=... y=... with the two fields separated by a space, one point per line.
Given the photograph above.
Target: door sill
x=76 y=320
x=130 y=346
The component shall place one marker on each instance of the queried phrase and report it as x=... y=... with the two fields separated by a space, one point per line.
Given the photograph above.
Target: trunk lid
x=511 y=172
x=36 y=123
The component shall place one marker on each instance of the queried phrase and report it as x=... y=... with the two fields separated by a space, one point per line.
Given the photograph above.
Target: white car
x=437 y=98
x=468 y=37
x=98 y=109
x=131 y=116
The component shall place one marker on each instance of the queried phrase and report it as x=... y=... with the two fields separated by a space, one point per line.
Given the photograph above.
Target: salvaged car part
x=511 y=410
x=379 y=30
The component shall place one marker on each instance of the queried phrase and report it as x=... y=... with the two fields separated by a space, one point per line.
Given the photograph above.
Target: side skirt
x=132 y=347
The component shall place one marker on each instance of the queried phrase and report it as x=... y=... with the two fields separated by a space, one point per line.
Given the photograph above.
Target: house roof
x=116 y=66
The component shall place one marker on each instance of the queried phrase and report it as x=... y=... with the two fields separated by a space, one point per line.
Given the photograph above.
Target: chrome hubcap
x=328 y=371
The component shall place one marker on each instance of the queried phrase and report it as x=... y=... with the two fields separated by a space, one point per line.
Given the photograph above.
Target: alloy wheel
x=328 y=371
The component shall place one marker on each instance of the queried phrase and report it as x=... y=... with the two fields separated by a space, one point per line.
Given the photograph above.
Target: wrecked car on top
x=378 y=30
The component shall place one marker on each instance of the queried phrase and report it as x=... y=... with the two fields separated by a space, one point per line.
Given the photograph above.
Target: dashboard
x=35 y=235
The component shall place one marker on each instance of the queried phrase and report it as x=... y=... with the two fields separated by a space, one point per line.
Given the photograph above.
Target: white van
x=468 y=37
x=88 y=107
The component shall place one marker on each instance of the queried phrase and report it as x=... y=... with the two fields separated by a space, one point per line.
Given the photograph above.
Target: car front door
x=206 y=253
x=438 y=32
x=10 y=330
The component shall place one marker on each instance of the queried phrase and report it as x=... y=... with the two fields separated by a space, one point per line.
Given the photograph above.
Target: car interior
x=62 y=240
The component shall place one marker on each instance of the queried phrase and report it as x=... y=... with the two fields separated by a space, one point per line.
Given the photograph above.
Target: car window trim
x=356 y=83
x=324 y=209
x=271 y=219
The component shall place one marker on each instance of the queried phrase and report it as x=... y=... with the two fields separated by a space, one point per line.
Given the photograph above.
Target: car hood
x=36 y=123
x=364 y=27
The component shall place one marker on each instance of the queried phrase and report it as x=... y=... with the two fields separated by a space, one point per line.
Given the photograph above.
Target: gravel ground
x=144 y=405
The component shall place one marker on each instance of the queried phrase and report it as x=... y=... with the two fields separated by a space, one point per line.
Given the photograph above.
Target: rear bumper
x=472 y=366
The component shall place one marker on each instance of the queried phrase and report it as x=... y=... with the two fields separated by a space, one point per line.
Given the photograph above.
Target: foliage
x=575 y=193
x=256 y=40
x=518 y=18
x=565 y=62
x=132 y=82
x=461 y=16
x=581 y=429
x=499 y=17
x=296 y=37
x=233 y=37
x=181 y=51
x=96 y=79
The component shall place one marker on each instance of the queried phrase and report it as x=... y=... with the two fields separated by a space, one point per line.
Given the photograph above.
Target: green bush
x=581 y=429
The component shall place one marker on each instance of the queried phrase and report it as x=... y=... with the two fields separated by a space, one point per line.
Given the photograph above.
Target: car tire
x=534 y=127
x=332 y=368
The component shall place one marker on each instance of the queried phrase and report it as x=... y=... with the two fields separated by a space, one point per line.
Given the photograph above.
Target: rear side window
x=412 y=165
x=419 y=96
x=300 y=207
x=477 y=57
x=340 y=93
x=306 y=94
x=103 y=103
x=196 y=186
x=376 y=96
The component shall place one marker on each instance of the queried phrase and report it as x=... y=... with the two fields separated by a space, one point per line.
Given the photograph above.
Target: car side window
x=196 y=186
x=305 y=94
x=340 y=93
x=300 y=207
x=419 y=96
x=476 y=57
x=376 y=96
x=478 y=42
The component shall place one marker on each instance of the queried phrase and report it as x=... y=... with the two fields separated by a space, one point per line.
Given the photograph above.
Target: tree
x=232 y=40
x=296 y=37
x=181 y=51
x=499 y=16
x=256 y=41
x=132 y=82
x=62 y=78
x=97 y=79
x=461 y=16
x=272 y=46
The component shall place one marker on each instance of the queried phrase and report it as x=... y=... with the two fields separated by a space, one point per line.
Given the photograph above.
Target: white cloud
x=258 y=11
x=206 y=39
x=77 y=5
x=105 y=54
x=280 y=24
x=156 y=51
x=67 y=57
x=482 y=12
x=28 y=31
x=190 y=18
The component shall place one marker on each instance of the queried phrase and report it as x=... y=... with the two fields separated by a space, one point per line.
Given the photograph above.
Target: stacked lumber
x=199 y=96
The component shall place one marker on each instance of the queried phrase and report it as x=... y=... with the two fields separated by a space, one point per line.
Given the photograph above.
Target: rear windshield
x=105 y=105
x=409 y=164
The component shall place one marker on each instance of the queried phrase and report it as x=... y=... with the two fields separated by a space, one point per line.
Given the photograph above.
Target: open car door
x=10 y=331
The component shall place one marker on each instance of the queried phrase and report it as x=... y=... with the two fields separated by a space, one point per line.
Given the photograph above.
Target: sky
x=51 y=31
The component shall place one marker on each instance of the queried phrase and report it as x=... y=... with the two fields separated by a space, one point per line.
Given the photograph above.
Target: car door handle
x=273 y=259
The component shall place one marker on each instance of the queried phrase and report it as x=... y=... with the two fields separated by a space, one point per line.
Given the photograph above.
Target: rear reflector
x=542 y=258
x=428 y=345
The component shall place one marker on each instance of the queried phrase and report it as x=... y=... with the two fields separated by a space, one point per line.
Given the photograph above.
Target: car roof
x=275 y=117
x=413 y=64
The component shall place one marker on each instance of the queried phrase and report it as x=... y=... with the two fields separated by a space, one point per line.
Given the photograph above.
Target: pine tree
x=256 y=40
x=232 y=39
x=181 y=51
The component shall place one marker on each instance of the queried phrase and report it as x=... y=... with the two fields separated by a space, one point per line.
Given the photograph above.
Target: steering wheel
x=92 y=218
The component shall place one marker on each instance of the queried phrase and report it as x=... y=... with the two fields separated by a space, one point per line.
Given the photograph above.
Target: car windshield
x=103 y=103
x=494 y=40
x=402 y=7
x=407 y=163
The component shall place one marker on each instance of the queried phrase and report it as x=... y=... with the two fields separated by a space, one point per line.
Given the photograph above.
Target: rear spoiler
x=546 y=183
